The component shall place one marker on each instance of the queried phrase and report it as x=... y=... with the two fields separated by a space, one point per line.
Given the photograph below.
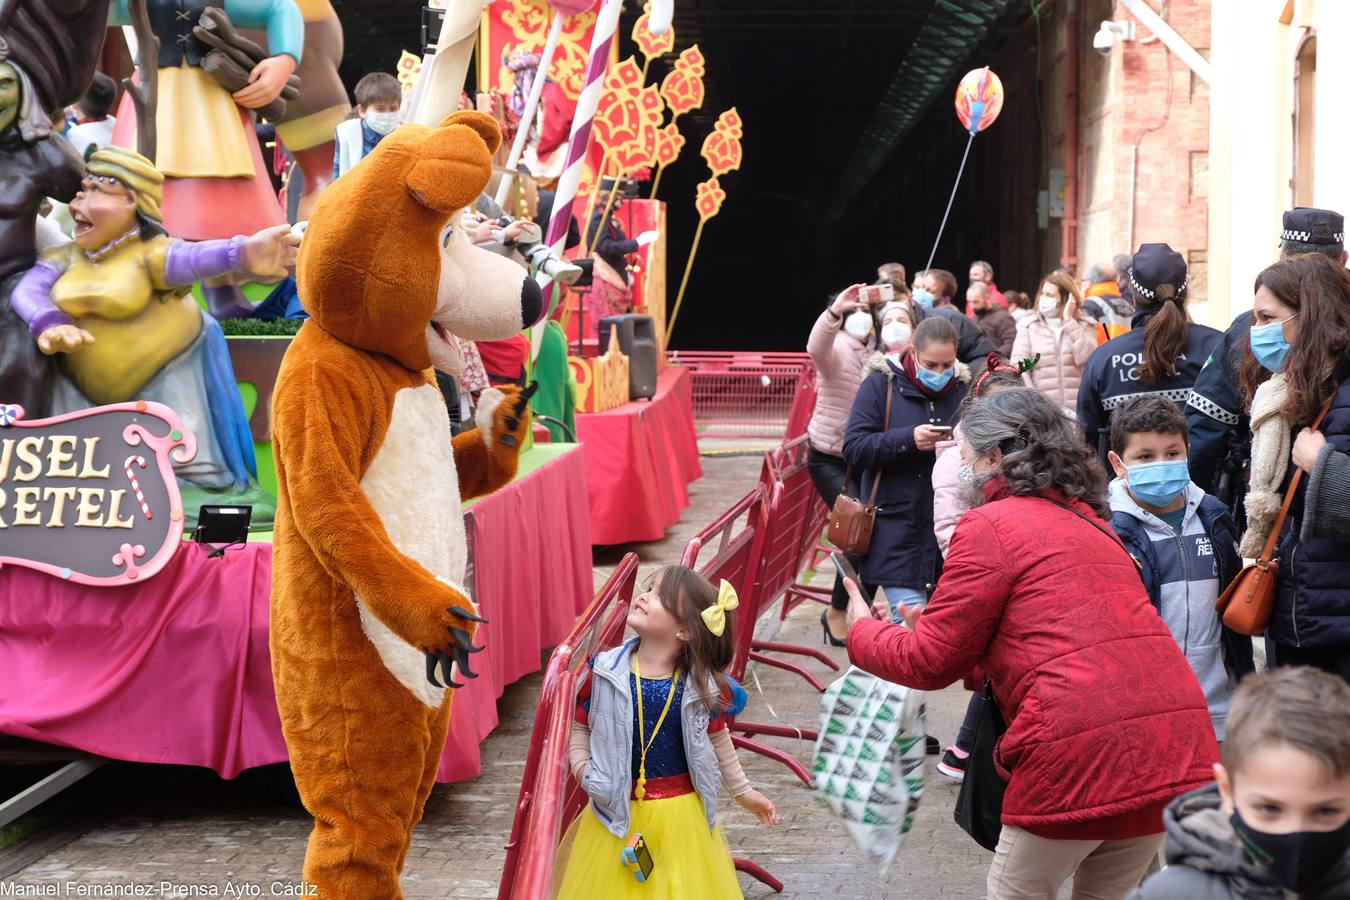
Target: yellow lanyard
x=643 y=741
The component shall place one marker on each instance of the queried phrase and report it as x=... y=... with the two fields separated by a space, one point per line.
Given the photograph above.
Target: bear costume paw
x=501 y=415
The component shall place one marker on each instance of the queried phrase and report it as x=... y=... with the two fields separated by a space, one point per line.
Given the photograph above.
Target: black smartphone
x=845 y=568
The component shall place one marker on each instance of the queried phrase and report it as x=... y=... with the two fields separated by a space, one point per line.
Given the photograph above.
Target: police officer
x=1161 y=353
x=1215 y=413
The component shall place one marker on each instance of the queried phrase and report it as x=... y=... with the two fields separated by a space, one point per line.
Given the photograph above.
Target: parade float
x=141 y=359
x=138 y=361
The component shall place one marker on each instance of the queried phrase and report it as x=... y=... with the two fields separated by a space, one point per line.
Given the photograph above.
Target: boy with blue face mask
x=378 y=101
x=1184 y=540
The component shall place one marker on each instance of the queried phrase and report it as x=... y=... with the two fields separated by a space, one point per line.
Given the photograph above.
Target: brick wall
x=1154 y=114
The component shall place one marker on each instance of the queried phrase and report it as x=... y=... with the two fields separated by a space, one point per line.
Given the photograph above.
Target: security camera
x=1104 y=39
x=1109 y=33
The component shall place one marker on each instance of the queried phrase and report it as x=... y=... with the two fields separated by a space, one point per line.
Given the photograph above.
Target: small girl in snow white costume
x=650 y=747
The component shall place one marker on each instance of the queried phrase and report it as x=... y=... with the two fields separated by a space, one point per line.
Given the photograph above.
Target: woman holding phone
x=925 y=388
x=844 y=336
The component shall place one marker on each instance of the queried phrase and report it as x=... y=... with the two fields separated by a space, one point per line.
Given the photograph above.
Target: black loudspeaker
x=637 y=340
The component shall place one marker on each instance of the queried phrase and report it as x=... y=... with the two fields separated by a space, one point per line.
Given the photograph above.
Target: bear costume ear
x=484 y=124
x=454 y=162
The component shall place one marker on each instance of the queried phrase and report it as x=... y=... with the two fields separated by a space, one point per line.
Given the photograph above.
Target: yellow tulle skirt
x=689 y=861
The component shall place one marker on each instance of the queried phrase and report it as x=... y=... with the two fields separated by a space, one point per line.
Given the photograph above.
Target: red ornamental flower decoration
x=629 y=118
x=708 y=200
x=683 y=87
x=620 y=114
x=641 y=150
x=652 y=45
x=722 y=147
x=669 y=143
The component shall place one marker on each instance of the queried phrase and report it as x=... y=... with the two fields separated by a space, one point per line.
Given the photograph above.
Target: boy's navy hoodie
x=1205 y=861
x=1184 y=573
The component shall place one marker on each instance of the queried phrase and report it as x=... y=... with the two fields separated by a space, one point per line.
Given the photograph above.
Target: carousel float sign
x=90 y=496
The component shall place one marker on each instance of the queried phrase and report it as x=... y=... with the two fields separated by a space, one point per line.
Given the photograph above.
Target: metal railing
x=741 y=394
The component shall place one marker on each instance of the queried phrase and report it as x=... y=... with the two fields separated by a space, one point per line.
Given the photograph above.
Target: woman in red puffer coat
x=1106 y=722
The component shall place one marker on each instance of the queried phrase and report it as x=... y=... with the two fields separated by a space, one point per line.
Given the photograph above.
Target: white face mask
x=859 y=324
x=896 y=335
x=382 y=122
x=1049 y=307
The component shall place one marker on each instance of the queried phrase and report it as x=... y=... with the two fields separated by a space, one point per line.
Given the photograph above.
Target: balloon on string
x=979 y=99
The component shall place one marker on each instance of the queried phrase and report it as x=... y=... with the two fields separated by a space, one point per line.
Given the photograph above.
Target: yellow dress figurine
x=115 y=305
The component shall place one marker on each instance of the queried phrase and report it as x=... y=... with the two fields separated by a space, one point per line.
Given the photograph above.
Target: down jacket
x=1060 y=369
x=1090 y=681
x=1312 y=605
x=839 y=359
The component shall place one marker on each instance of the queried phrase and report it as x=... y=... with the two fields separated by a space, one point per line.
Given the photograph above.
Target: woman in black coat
x=926 y=389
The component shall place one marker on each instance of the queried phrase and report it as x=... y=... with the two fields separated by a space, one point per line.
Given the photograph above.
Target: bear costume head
x=385 y=266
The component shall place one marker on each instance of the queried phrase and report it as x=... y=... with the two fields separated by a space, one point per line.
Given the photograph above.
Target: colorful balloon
x=979 y=99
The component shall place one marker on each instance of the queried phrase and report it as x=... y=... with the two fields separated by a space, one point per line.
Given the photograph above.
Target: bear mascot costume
x=367 y=601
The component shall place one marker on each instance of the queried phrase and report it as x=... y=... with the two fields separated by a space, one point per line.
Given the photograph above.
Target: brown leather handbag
x=851 y=521
x=1247 y=603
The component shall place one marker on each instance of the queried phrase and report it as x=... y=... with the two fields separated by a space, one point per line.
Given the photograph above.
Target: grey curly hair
x=1042 y=449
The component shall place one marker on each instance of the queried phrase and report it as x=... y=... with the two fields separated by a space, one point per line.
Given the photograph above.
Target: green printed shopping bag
x=868 y=764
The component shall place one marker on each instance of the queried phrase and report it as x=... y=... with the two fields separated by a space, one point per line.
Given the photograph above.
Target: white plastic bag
x=868 y=764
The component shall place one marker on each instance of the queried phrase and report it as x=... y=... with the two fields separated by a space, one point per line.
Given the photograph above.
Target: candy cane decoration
x=131 y=460
x=606 y=24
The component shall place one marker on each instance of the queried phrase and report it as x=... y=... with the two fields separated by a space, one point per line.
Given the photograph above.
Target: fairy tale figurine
x=113 y=306
x=216 y=184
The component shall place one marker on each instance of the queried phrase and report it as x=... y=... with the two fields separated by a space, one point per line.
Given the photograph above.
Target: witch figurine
x=47 y=56
x=114 y=306
x=216 y=184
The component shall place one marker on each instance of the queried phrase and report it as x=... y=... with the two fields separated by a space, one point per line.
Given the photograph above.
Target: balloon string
x=950 y=200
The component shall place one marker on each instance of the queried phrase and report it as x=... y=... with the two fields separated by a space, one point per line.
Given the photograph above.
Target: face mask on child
x=859 y=324
x=1296 y=861
x=1268 y=344
x=1158 y=483
x=896 y=335
x=934 y=381
x=923 y=298
x=382 y=122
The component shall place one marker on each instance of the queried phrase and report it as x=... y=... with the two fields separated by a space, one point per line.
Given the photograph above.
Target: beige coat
x=1063 y=356
x=839 y=359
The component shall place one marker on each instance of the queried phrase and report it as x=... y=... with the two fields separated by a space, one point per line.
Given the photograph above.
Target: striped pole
x=606 y=25
x=131 y=460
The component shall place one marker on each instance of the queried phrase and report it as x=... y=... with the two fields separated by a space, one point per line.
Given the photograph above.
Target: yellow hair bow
x=715 y=616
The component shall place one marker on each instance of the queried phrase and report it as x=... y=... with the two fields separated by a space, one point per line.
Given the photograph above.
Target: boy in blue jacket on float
x=1184 y=540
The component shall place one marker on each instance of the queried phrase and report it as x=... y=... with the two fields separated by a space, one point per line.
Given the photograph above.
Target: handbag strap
x=1268 y=551
x=885 y=427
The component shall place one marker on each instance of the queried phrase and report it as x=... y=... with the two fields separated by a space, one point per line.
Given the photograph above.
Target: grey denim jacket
x=608 y=778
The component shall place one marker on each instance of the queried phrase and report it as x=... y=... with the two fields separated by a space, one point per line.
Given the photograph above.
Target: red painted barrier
x=549 y=798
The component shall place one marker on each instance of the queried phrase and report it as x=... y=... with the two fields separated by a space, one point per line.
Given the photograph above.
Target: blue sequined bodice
x=666 y=757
